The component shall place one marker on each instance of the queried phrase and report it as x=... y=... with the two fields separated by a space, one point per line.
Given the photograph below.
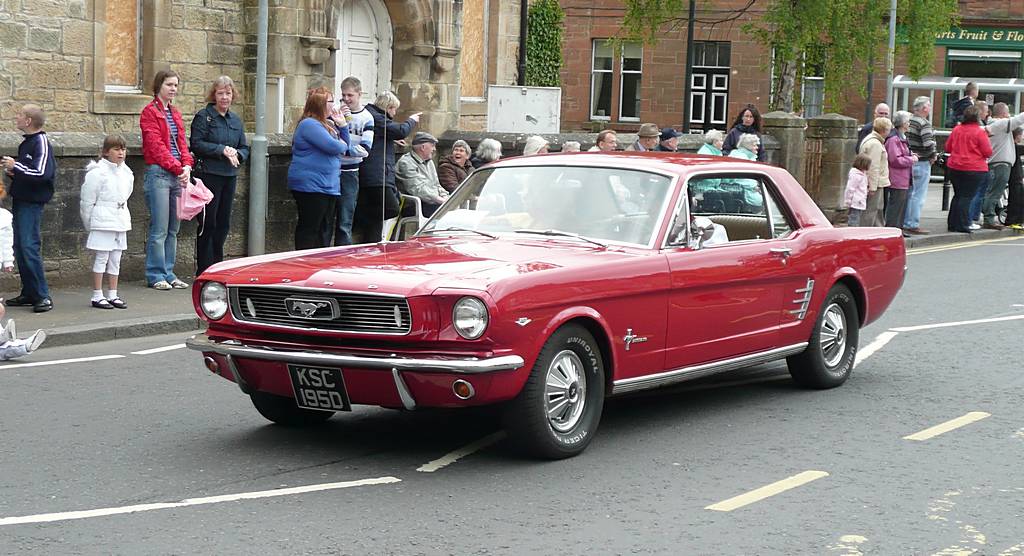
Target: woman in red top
x=168 y=168
x=969 y=148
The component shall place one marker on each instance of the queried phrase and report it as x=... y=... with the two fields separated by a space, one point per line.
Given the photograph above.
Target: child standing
x=104 y=210
x=856 y=195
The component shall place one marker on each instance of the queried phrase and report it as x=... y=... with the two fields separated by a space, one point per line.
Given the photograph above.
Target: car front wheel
x=832 y=349
x=283 y=411
x=556 y=414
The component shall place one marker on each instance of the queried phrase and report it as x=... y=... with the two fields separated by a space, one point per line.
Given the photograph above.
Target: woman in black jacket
x=219 y=146
x=748 y=121
x=378 y=197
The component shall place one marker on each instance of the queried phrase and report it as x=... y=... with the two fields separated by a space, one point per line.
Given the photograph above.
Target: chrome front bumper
x=469 y=365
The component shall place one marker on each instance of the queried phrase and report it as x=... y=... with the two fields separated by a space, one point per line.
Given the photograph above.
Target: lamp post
x=891 y=59
x=258 y=162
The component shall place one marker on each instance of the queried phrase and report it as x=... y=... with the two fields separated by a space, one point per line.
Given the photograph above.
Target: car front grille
x=321 y=310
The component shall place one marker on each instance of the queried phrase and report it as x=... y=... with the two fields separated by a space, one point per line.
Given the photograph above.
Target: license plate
x=321 y=388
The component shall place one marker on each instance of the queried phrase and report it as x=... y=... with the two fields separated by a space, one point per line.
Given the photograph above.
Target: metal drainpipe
x=258 y=161
x=524 y=20
x=687 y=86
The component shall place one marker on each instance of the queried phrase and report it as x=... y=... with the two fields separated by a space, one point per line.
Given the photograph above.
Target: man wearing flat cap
x=416 y=174
x=668 y=141
x=646 y=138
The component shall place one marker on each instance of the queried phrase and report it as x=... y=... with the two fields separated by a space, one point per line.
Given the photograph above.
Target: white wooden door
x=359 y=52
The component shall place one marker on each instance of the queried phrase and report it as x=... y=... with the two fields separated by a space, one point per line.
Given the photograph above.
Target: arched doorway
x=364 y=38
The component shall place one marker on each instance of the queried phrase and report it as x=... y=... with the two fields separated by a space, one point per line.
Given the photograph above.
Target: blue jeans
x=1000 y=173
x=162 y=190
x=27 y=246
x=346 y=207
x=920 y=176
x=979 y=196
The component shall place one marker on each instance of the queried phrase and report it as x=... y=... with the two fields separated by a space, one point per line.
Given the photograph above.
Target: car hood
x=415 y=267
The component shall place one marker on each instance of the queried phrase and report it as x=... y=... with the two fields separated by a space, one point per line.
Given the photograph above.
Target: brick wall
x=665 y=62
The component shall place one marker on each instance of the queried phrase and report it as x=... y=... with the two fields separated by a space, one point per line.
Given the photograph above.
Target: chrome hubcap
x=833 y=335
x=565 y=391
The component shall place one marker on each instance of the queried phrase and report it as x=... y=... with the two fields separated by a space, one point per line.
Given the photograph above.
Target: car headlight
x=214 y=300
x=470 y=317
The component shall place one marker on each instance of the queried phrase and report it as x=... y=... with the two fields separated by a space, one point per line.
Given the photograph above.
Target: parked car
x=546 y=284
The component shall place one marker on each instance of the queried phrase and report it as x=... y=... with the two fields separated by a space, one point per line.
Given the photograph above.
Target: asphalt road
x=148 y=453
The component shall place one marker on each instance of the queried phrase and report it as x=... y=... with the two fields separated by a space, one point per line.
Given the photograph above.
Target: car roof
x=663 y=162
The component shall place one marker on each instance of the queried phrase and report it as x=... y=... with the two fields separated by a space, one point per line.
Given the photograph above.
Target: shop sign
x=986 y=37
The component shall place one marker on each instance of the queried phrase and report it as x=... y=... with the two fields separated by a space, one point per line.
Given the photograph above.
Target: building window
x=631 y=66
x=603 y=70
x=813 y=96
x=472 y=64
x=121 y=47
x=709 y=85
x=968 y=64
x=601 y=81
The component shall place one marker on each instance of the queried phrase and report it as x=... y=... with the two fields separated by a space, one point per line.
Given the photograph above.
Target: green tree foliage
x=544 y=44
x=836 y=39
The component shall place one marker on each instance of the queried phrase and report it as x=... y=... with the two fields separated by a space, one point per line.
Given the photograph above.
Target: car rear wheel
x=830 y=354
x=556 y=414
x=283 y=411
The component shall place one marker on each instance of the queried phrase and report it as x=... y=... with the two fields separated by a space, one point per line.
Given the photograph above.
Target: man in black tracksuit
x=32 y=177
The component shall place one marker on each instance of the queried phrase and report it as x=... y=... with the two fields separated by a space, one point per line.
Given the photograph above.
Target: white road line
x=937 y=248
x=956 y=323
x=158 y=350
x=952 y=424
x=767 y=491
x=455 y=456
x=60 y=362
x=877 y=344
x=83 y=514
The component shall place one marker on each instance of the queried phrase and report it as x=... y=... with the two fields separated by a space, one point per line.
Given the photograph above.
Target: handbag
x=193 y=199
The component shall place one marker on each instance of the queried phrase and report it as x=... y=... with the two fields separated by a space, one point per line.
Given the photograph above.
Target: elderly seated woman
x=713 y=141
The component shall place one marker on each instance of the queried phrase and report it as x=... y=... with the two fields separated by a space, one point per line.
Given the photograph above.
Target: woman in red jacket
x=168 y=168
x=969 y=148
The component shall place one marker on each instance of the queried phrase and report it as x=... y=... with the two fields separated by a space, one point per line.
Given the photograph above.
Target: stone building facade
x=90 y=63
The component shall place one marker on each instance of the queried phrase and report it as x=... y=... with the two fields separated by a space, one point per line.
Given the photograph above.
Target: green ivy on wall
x=544 y=44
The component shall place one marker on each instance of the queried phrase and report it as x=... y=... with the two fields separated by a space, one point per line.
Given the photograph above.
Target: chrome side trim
x=403 y=390
x=625 y=385
x=803 y=301
x=468 y=365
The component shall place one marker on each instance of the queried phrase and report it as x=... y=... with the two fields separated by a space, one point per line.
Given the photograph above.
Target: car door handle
x=784 y=251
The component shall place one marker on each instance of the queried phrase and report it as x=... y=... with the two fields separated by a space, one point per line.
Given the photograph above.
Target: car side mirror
x=701 y=230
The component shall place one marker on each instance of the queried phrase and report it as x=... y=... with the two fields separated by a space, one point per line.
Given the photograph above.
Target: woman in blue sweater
x=313 y=176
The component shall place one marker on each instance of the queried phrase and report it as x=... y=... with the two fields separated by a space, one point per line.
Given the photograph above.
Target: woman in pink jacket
x=901 y=162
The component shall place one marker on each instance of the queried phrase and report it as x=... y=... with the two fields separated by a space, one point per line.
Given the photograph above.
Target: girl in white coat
x=104 y=209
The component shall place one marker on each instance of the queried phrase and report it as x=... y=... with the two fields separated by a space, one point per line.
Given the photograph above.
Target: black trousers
x=373 y=207
x=965 y=186
x=895 y=206
x=316 y=219
x=1015 y=209
x=215 y=221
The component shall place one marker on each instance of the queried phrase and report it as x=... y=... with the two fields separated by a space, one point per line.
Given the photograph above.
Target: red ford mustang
x=546 y=284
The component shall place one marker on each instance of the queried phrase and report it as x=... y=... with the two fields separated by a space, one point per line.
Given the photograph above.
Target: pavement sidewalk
x=151 y=312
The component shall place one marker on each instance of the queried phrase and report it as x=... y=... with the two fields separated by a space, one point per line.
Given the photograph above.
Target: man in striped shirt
x=922 y=143
x=32 y=176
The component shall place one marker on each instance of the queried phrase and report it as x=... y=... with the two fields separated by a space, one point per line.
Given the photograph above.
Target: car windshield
x=609 y=205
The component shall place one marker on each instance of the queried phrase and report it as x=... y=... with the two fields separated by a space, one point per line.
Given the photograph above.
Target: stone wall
x=66 y=260
x=54 y=52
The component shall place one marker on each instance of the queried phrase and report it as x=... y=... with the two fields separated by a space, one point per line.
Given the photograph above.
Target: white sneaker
x=974 y=226
x=35 y=340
